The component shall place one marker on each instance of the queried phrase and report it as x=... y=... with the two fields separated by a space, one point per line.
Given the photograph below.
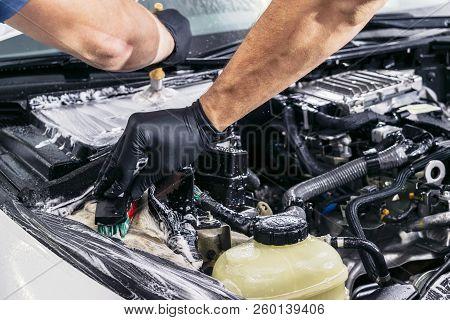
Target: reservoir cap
x=280 y=230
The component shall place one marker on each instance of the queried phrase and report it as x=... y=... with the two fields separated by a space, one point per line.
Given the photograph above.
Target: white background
x=335 y=310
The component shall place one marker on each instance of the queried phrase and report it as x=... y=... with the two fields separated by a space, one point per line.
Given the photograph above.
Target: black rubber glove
x=154 y=145
x=180 y=29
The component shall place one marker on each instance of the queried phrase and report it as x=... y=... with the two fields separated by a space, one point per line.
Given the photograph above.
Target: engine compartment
x=359 y=153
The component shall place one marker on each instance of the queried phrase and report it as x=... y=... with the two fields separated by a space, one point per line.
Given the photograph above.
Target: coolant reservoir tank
x=283 y=262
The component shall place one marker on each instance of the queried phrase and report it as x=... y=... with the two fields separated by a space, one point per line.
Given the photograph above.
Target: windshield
x=418 y=8
x=206 y=17
x=210 y=18
x=216 y=16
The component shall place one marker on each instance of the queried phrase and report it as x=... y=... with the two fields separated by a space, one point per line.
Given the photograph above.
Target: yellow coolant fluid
x=283 y=262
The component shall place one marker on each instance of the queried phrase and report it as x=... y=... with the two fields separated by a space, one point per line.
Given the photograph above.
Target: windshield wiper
x=56 y=59
x=221 y=51
x=408 y=22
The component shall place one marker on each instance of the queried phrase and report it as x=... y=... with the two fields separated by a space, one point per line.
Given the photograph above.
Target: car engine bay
x=360 y=155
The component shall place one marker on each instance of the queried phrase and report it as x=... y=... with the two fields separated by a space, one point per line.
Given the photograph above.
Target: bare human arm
x=114 y=35
x=291 y=39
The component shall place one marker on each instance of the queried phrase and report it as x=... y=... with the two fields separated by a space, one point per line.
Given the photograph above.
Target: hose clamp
x=296 y=202
x=384 y=280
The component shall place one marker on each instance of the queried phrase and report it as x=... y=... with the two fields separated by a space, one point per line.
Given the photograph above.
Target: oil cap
x=280 y=230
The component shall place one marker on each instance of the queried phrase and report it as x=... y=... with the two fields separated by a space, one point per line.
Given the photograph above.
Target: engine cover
x=356 y=91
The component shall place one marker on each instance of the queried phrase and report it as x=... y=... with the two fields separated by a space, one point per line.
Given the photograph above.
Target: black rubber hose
x=177 y=228
x=354 y=206
x=305 y=157
x=238 y=222
x=369 y=248
x=439 y=272
x=401 y=216
x=392 y=157
x=350 y=122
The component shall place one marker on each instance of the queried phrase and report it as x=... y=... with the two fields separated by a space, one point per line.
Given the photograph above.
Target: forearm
x=119 y=35
x=290 y=40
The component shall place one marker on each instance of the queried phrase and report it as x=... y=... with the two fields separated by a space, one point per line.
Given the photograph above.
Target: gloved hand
x=180 y=29
x=160 y=142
